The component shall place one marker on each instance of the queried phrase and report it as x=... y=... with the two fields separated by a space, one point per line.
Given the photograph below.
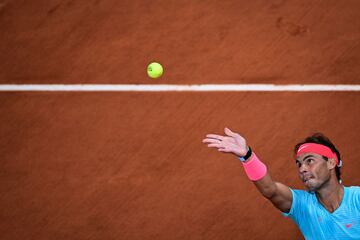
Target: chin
x=311 y=186
x=311 y=189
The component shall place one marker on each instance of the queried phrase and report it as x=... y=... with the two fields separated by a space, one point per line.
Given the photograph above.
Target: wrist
x=254 y=168
x=247 y=155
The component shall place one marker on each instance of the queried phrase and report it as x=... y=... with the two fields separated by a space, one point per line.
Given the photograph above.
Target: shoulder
x=354 y=188
x=353 y=195
x=302 y=201
x=354 y=191
x=302 y=194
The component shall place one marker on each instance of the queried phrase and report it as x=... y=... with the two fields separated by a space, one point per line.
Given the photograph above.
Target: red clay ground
x=112 y=41
x=132 y=165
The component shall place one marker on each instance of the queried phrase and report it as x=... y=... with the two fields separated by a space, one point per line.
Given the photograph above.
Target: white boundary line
x=176 y=88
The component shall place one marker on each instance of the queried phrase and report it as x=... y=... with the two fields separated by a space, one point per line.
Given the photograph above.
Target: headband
x=319 y=149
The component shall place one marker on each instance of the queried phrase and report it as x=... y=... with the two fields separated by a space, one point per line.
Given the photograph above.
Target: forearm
x=257 y=172
x=266 y=186
x=279 y=194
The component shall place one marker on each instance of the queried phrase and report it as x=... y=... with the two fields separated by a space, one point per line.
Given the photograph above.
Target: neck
x=331 y=194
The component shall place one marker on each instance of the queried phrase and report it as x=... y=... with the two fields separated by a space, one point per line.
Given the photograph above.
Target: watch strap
x=247 y=156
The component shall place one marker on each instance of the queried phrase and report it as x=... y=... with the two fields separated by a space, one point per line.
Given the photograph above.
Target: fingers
x=230 y=143
x=229 y=132
x=217 y=143
x=211 y=140
x=214 y=145
x=215 y=136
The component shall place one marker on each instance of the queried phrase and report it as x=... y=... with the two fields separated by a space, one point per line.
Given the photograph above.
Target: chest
x=345 y=218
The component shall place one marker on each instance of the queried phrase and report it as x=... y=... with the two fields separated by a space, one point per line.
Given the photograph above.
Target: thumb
x=229 y=132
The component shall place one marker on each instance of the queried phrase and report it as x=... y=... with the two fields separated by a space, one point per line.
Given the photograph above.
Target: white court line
x=177 y=88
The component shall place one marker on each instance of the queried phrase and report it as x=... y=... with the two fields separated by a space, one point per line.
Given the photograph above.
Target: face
x=313 y=170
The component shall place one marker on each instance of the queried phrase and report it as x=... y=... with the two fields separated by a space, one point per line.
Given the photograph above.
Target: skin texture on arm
x=278 y=193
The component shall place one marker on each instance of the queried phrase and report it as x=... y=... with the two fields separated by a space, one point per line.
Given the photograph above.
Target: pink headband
x=317 y=148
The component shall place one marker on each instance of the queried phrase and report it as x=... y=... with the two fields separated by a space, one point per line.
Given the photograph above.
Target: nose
x=303 y=168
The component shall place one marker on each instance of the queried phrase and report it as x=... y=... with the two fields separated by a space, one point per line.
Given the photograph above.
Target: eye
x=309 y=161
x=298 y=164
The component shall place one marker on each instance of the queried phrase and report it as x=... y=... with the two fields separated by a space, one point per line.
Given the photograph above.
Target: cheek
x=321 y=172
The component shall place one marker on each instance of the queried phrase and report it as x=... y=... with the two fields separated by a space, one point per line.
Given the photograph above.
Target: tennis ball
x=155 y=70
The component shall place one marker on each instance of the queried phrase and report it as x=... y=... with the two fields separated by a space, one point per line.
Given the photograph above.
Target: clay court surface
x=132 y=165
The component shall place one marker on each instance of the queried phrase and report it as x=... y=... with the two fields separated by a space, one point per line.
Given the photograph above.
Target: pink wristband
x=254 y=168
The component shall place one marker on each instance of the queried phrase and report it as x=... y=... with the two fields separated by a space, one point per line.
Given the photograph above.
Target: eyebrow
x=308 y=156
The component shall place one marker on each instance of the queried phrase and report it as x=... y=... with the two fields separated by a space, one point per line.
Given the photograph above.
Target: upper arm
x=279 y=194
x=282 y=197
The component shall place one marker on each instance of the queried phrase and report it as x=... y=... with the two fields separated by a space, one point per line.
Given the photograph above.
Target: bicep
x=282 y=198
x=279 y=194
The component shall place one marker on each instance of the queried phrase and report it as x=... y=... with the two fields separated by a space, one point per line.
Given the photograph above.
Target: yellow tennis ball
x=155 y=70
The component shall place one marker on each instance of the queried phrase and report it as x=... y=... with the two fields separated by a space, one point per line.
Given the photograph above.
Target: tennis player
x=327 y=209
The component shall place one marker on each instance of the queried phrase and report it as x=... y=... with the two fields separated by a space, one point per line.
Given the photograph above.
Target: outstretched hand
x=231 y=143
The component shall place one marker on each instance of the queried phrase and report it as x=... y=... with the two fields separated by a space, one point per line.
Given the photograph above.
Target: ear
x=331 y=163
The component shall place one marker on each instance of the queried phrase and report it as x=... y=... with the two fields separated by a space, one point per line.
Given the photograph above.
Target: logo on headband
x=318 y=149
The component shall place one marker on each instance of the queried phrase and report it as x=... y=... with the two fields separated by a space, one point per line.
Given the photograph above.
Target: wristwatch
x=247 y=156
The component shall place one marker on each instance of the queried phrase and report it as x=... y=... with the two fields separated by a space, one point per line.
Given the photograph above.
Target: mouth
x=307 y=182
x=306 y=179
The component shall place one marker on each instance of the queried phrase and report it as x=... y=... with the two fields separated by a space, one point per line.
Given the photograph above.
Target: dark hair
x=323 y=140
